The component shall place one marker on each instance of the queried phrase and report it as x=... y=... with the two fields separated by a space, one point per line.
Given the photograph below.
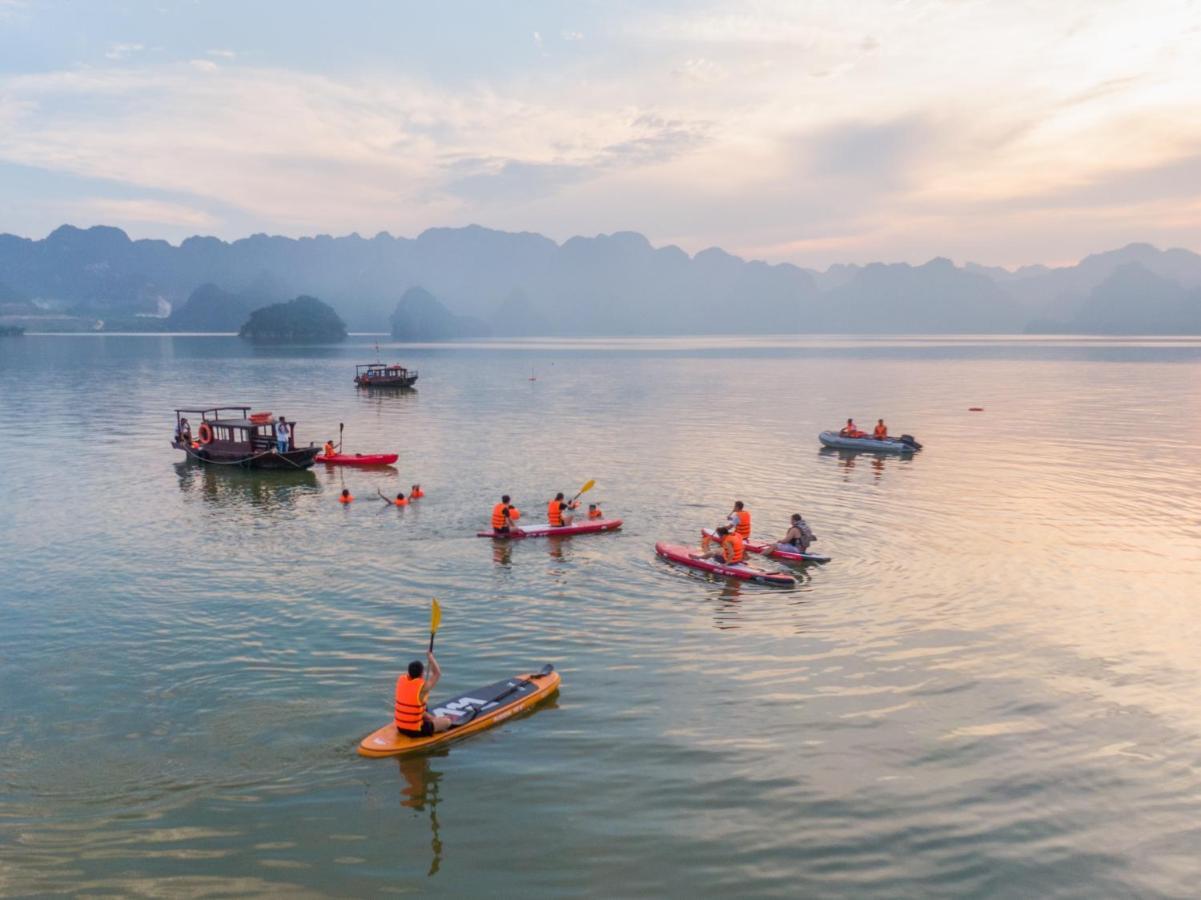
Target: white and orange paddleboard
x=471 y=712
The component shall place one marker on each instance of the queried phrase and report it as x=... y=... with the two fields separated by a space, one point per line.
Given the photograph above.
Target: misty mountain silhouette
x=476 y=280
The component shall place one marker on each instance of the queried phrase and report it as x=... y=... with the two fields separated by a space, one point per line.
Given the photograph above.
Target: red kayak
x=768 y=549
x=687 y=556
x=359 y=459
x=588 y=526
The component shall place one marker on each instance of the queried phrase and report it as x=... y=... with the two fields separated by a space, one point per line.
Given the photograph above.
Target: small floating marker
x=975 y=409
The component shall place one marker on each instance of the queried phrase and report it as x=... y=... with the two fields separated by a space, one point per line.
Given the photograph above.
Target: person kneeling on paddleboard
x=412 y=692
x=504 y=515
x=732 y=550
x=556 y=509
x=799 y=536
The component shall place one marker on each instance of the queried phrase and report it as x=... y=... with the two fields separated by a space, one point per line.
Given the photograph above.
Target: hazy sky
x=1003 y=132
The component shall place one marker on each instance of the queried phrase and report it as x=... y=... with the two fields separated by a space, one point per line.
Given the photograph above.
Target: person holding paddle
x=556 y=510
x=413 y=690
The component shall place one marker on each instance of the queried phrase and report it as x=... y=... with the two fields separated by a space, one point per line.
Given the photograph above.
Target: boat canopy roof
x=380 y=367
x=214 y=412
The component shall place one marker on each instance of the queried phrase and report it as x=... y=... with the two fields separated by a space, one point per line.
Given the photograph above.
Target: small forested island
x=303 y=320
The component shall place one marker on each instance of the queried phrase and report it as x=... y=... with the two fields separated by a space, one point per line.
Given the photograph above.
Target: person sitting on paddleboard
x=740 y=520
x=880 y=432
x=504 y=515
x=594 y=512
x=799 y=536
x=555 y=511
x=412 y=693
x=732 y=550
x=851 y=430
x=329 y=449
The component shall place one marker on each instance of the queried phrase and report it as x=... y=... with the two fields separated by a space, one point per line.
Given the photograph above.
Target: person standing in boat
x=281 y=435
x=183 y=433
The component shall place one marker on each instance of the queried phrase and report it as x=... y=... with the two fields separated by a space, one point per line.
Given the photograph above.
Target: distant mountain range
x=458 y=282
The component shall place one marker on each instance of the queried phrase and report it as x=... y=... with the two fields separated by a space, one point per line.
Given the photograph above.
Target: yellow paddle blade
x=588 y=485
x=435 y=617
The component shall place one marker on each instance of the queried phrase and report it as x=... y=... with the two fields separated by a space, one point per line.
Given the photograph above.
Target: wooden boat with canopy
x=233 y=436
x=384 y=375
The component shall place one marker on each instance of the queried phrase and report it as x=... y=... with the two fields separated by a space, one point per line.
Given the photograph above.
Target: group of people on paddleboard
x=559 y=513
x=732 y=538
x=851 y=430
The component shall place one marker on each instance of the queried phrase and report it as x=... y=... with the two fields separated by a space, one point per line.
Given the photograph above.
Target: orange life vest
x=554 y=513
x=744 y=523
x=401 y=502
x=880 y=432
x=498 y=516
x=410 y=711
x=329 y=449
x=347 y=499
x=595 y=514
x=413 y=495
x=733 y=548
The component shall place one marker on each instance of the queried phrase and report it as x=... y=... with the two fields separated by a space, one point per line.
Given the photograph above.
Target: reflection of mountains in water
x=234 y=486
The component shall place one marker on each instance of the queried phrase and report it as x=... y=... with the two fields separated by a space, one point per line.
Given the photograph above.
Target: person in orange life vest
x=346 y=498
x=851 y=431
x=329 y=449
x=556 y=508
x=400 y=500
x=594 y=512
x=732 y=550
x=880 y=432
x=412 y=693
x=740 y=520
x=416 y=492
x=504 y=515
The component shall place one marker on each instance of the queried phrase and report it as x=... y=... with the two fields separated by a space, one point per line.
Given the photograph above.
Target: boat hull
x=358 y=459
x=290 y=460
x=591 y=526
x=869 y=445
x=685 y=556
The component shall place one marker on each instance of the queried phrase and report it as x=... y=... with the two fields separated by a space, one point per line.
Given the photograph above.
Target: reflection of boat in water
x=382 y=375
x=232 y=436
x=236 y=486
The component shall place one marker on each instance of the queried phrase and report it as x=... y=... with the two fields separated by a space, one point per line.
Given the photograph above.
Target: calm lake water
x=993 y=689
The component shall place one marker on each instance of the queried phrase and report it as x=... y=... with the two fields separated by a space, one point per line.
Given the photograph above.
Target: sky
x=816 y=133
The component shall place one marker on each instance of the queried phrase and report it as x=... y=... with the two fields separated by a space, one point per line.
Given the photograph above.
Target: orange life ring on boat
x=205 y=433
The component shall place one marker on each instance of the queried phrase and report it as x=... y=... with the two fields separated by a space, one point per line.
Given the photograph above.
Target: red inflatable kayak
x=686 y=556
x=588 y=526
x=359 y=459
x=768 y=549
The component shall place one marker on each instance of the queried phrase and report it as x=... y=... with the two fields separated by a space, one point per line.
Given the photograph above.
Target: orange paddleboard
x=471 y=712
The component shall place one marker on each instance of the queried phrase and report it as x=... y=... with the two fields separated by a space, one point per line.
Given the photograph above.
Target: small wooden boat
x=384 y=375
x=232 y=436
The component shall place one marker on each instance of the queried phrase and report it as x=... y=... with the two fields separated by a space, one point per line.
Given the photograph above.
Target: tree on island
x=303 y=320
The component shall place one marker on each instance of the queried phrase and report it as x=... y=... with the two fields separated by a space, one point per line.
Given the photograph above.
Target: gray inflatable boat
x=904 y=444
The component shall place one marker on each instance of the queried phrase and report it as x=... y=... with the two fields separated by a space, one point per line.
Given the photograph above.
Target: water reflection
x=232 y=486
x=419 y=791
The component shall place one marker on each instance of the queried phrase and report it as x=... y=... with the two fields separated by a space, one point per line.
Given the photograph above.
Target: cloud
x=203 y=65
x=572 y=35
x=223 y=54
x=122 y=51
x=155 y=212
